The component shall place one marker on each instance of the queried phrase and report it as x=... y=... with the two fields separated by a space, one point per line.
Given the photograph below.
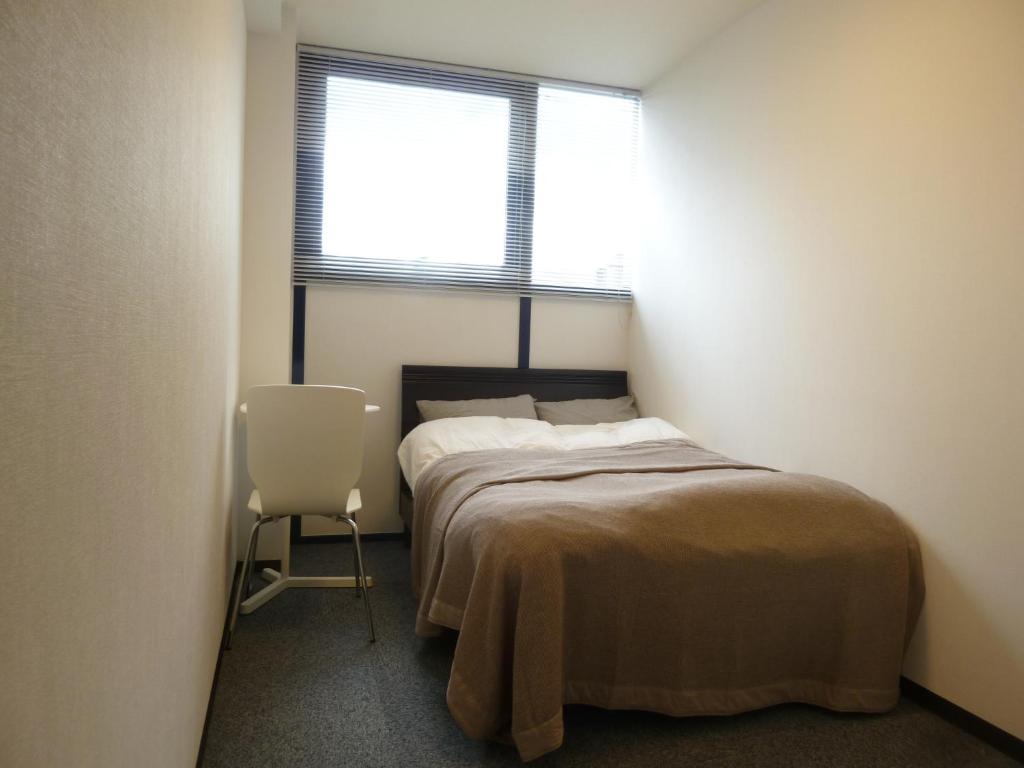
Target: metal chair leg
x=355 y=563
x=361 y=576
x=242 y=578
x=355 y=560
x=245 y=577
x=252 y=560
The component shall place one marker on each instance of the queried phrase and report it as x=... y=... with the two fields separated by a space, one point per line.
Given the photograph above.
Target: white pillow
x=433 y=440
x=617 y=433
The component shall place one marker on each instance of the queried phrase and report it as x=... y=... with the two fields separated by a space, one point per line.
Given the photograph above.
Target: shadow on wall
x=926 y=648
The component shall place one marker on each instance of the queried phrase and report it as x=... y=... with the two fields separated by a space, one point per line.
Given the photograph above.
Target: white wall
x=569 y=333
x=120 y=143
x=267 y=214
x=269 y=173
x=833 y=282
x=362 y=336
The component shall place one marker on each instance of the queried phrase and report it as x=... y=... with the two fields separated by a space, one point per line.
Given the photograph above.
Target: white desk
x=243 y=409
x=282 y=580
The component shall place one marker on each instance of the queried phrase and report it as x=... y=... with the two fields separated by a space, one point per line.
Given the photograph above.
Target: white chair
x=305 y=454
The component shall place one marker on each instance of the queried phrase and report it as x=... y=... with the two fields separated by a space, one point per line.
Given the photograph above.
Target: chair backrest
x=305 y=446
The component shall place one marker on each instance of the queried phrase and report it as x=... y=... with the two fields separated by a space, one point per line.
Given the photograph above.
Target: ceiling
x=626 y=43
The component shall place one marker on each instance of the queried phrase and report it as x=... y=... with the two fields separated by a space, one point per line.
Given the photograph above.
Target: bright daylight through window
x=414 y=173
x=453 y=179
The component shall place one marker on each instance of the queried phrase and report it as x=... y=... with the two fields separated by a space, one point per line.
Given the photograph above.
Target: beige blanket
x=658 y=576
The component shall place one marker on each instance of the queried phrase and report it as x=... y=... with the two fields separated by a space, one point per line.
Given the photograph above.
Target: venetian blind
x=446 y=178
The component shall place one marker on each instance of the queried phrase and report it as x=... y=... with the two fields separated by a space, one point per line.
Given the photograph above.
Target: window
x=453 y=179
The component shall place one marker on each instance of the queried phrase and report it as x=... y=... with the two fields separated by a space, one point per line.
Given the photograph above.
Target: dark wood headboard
x=444 y=382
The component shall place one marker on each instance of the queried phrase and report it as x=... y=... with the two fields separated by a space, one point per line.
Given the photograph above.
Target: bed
x=444 y=382
x=651 y=574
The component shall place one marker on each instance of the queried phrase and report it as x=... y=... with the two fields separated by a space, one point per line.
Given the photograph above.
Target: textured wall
x=120 y=144
x=266 y=297
x=833 y=282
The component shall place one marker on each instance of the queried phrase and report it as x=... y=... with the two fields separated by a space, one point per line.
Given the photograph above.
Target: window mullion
x=521 y=174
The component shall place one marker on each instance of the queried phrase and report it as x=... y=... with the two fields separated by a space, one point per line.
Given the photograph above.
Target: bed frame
x=445 y=382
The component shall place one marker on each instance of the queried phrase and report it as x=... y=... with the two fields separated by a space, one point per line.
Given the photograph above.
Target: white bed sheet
x=432 y=440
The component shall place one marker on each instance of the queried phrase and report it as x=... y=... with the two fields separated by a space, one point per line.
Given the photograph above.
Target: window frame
x=514 y=276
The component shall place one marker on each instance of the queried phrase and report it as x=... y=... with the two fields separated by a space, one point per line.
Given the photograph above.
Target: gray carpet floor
x=303 y=687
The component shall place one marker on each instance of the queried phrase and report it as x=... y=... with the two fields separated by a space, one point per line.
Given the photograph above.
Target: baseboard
x=260 y=565
x=331 y=537
x=216 y=669
x=966 y=721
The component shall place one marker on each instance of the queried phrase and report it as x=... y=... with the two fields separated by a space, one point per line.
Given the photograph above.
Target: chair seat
x=355 y=502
